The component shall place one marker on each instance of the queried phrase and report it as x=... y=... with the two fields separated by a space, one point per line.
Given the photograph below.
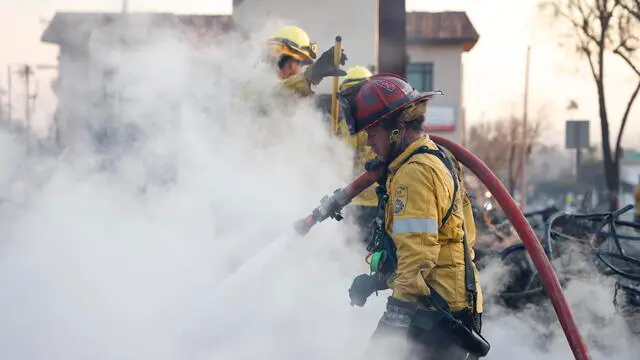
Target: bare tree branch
x=592 y=66
x=633 y=10
x=601 y=27
x=498 y=144
x=625 y=117
x=627 y=59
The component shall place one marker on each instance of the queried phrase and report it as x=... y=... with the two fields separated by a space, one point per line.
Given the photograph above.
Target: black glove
x=363 y=286
x=324 y=67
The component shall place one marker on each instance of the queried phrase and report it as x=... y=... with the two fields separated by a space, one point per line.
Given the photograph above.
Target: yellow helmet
x=354 y=76
x=293 y=41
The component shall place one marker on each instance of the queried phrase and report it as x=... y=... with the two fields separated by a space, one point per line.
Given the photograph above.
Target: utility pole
x=27 y=107
x=9 y=95
x=525 y=133
x=392 y=37
x=26 y=71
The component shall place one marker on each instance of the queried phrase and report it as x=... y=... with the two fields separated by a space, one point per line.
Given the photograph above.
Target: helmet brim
x=352 y=125
x=305 y=54
x=420 y=98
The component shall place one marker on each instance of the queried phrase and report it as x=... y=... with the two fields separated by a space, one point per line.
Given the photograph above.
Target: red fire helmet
x=378 y=97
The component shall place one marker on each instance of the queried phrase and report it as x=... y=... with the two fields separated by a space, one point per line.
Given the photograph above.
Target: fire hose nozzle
x=333 y=205
x=330 y=207
x=302 y=226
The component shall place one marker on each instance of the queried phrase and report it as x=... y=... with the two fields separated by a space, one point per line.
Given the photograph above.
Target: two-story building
x=89 y=43
x=436 y=42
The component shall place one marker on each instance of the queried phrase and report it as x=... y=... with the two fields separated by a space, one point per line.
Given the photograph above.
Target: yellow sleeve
x=418 y=202
x=469 y=222
x=298 y=83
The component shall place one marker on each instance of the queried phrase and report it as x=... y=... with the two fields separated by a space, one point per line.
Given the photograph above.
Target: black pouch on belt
x=465 y=335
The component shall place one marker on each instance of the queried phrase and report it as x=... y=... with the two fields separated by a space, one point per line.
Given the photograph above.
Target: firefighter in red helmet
x=420 y=249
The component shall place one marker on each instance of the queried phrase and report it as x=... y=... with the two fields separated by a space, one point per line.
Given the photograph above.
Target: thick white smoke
x=111 y=252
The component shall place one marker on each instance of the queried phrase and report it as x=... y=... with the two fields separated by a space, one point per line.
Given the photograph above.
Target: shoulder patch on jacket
x=401 y=197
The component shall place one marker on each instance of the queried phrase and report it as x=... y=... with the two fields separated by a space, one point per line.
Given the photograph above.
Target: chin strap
x=395 y=144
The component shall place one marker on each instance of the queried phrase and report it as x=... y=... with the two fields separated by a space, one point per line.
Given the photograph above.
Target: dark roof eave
x=57 y=32
x=51 y=34
x=467 y=43
x=52 y=39
x=47 y=39
x=47 y=36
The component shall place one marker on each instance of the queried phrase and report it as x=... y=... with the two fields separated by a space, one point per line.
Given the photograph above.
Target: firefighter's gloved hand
x=363 y=286
x=324 y=67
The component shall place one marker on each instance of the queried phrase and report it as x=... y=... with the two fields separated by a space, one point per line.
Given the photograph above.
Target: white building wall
x=74 y=90
x=447 y=76
x=81 y=96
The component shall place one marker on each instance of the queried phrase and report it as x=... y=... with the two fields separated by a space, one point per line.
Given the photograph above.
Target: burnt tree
x=492 y=140
x=595 y=29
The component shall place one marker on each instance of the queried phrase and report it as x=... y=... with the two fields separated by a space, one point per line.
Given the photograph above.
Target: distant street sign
x=576 y=134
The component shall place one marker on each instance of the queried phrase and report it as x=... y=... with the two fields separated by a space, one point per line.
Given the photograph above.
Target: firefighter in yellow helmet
x=354 y=75
x=291 y=49
x=423 y=248
x=364 y=207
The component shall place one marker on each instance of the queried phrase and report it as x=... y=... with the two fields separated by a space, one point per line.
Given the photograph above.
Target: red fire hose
x=331 y=206
x=529 y=239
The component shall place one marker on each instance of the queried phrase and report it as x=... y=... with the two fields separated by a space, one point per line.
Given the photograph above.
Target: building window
x=420 y=75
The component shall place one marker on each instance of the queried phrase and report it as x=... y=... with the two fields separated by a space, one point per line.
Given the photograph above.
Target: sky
x=493 y=70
